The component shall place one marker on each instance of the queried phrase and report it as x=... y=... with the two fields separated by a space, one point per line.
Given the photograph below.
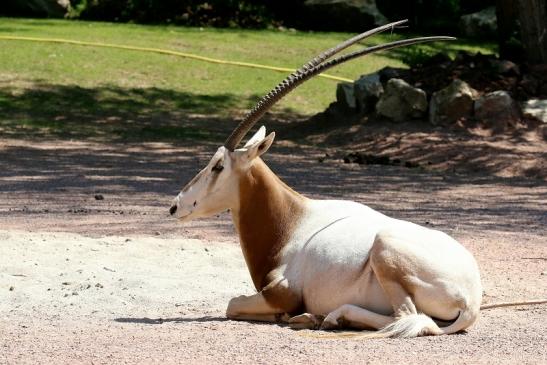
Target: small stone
x=157 y=233
x=367 y=90
x=535 y=108
x=505 y=67
x=99 y=285
x=498 y=108
x=452 y=103
x=530 y=84
x=401 y=101
x=11 y=288
x=99 y=197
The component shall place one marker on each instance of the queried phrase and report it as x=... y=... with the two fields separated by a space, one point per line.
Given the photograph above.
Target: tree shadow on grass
x=111 y=113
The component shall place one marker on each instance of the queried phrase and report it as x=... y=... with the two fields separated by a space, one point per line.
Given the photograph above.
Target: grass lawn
x=64 y=89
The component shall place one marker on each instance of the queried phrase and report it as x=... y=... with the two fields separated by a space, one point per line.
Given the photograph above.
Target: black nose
x=173 y=209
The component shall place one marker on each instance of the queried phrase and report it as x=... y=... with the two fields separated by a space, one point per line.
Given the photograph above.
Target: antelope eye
x=218 y=167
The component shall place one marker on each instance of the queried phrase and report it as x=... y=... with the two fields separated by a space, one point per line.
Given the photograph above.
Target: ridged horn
x=312 y=68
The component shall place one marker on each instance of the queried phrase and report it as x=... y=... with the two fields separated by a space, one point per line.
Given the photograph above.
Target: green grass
x=68 y=89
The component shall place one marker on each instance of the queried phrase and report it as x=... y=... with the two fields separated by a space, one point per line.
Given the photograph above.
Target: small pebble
x=11 y=288
x=99 y=197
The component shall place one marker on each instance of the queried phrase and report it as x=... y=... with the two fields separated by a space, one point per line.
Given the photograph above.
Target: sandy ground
x=117 y=281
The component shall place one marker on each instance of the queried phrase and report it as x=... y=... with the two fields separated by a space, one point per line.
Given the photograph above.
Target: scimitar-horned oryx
x=329 y=263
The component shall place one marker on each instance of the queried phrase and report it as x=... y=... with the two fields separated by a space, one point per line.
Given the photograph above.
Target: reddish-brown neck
x=268 y=213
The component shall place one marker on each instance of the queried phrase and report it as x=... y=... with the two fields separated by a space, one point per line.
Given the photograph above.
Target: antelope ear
x=258 y=136
x=259 y=147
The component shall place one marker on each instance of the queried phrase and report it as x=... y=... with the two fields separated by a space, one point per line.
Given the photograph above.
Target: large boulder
x=480 y=24
x=400 y=101
x=498 y=109
x=349 y=15
x=368 y=90
x=452 y=103
x=345 y=96
x=535 y=108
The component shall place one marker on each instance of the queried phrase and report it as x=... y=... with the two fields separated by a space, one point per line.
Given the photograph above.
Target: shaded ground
x=457 y=149
x=164 y=287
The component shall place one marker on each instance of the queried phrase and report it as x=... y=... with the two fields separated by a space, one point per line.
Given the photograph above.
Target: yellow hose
x=164 y=51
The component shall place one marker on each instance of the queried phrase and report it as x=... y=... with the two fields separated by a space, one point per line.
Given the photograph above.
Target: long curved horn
x=258 y=111
x=311 y=69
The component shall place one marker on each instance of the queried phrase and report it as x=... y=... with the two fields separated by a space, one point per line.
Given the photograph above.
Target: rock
x=388 y=73
x=369 y=159
x=346 y=14
x=497 y=108
x=480 y=24
x=367 y=90
x=345 y=96
x=535 y=108
x=505 y=67
x=530 y=84
x=99 y=197
x=401 y=101
x=452 y=103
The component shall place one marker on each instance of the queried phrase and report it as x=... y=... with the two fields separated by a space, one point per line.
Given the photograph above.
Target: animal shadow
x=146 y=320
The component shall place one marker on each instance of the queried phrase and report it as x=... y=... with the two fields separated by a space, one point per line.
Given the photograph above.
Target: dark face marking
x=218 y=167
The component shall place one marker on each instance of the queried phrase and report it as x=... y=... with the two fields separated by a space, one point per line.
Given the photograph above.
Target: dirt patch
x=115 y=280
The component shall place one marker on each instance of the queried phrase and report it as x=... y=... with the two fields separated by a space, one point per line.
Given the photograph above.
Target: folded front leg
x=254 y=308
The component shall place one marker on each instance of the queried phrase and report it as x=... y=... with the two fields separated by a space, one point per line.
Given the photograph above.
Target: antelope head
x=215 y=188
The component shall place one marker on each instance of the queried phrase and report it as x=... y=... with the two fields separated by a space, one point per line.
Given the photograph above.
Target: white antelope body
x=330 y=264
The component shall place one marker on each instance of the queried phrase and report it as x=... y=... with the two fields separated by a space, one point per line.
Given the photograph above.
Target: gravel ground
x=115 y=280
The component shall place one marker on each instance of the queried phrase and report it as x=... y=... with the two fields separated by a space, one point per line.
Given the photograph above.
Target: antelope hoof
x=234 y=305
x=306 y=321
x=332 y=321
